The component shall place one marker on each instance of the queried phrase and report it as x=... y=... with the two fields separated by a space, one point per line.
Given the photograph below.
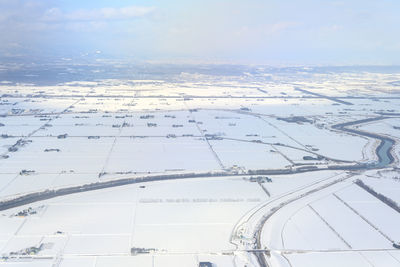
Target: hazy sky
x=249 y=31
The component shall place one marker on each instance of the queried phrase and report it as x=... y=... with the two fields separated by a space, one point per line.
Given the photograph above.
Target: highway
x=385 y=157
x=383 y=151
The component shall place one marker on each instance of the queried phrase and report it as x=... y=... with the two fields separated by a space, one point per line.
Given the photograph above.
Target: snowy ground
x=78 y=133
x=193 y=217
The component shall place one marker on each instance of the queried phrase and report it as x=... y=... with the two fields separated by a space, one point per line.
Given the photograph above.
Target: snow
x=29 y=263
x=97 y=245
x=160 y=154
x=395 y=255
x=305 y=230
x=296 y=155
x=388 y=187
x=142 y=261
x=349 y=225
x=282 y=211
x=68 y=218
x=385 y=127
x=78 y=154
x=71 y=261
x=18 y=243
x=380 y=258
x=282 y=184
x=8 y=226
x=194 y=220
x=334 y=259
x=331 y=144
x=191 y=216
x=248 y=155
x=375 y=211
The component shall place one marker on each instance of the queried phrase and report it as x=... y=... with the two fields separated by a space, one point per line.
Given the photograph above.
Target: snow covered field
x=239 y=127
x=106 y=224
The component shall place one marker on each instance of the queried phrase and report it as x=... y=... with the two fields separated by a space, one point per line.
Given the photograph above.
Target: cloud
x=107 y=13
x=281 y=26
x=265 y=31
x=252 y=31
x=41 y=26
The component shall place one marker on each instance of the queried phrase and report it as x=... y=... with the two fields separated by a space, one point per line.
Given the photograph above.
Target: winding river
x=384 y=149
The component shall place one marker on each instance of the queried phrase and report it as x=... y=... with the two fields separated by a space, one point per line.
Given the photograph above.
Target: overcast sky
x=276 y=32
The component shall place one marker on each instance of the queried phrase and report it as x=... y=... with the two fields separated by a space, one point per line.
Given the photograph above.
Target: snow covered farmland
x=228 y=170
x=110 y=222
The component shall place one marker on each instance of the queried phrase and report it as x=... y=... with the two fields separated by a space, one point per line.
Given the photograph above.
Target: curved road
x=385 y=157
x=384 y=152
